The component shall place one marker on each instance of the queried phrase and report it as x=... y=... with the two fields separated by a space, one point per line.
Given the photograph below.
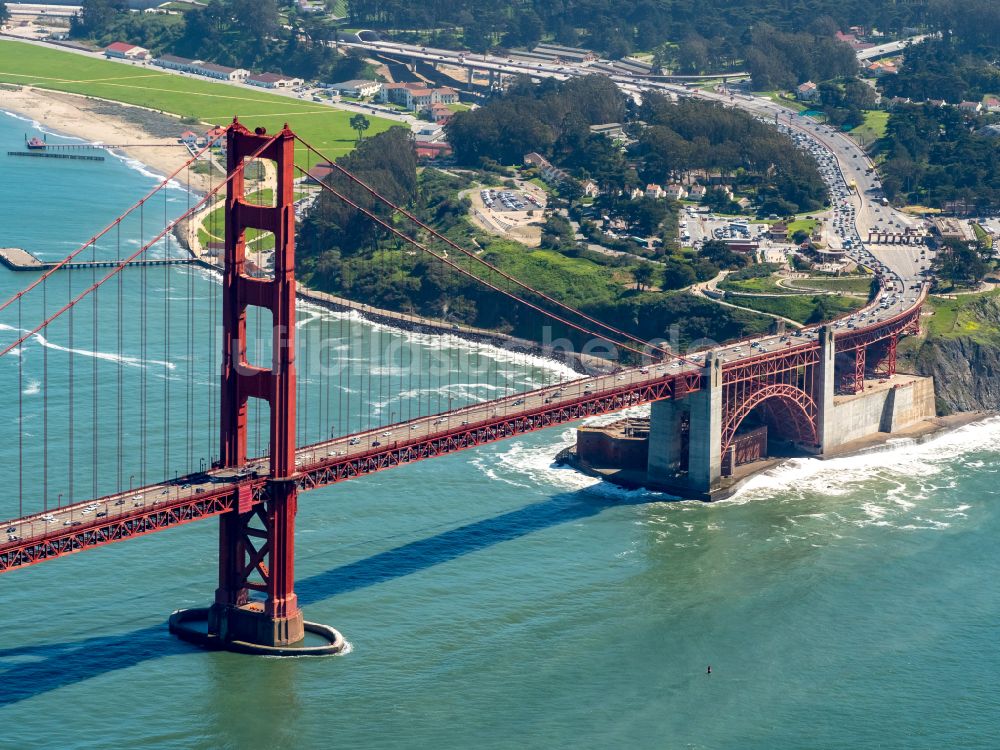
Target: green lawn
x=872 y=128
x=807 y=225
x=982 y=235
x=966 y=315
x=784 y=99
x=797 y=307
x=764 y=285
x=852 y=284
x=326 y=128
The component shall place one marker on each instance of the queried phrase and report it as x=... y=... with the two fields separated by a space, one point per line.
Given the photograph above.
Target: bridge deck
x=144 y=510
x=151 y=508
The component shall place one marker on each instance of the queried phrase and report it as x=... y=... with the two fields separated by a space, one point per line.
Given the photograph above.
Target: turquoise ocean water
x=492 y=600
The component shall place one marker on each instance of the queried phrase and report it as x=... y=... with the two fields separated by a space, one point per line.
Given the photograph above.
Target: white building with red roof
x=126 y=51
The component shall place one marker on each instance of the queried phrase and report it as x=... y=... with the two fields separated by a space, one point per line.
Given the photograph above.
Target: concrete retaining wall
x=882 y=409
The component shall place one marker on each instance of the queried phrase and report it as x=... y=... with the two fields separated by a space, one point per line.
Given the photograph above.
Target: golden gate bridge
x=269 y=436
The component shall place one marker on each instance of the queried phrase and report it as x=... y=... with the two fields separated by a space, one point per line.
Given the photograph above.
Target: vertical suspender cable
x=70 y=432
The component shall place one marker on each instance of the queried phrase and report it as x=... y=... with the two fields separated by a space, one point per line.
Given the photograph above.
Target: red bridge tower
x=257 y=538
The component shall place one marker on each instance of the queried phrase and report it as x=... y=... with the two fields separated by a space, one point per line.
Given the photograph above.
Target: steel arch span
x=792 y=405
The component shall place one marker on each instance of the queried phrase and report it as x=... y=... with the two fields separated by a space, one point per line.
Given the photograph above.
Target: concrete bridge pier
x=705 y=451
x=825 y=389
x=703 y=411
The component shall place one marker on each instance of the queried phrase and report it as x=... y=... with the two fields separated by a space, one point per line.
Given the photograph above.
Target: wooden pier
x=46 y=154
x=17 y=259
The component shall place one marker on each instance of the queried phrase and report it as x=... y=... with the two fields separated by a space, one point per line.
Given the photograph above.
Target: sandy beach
x=151 y=135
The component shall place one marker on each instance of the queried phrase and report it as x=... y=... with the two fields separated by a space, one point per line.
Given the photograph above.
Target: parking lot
x=514 y=214
x=510 y=200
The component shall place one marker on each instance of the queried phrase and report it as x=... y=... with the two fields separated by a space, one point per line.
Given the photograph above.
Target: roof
x=270 y=77
x=176 y=59
x=353 y=83
x=321 y=171
x=807 y=86
x=120 y=47
x=217 y=68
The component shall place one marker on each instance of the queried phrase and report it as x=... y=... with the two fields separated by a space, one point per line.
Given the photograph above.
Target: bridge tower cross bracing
x=257 y=545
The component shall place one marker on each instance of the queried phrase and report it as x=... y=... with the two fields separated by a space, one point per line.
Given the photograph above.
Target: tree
x=823 y=309
x=643 y=274
x=718 y=252
x=4 y=13
x=677 y=275
x=360 y=123
x=960 y=263
x=96 y=16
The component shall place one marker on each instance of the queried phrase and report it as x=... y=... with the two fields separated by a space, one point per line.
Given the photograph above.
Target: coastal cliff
x=961 y=350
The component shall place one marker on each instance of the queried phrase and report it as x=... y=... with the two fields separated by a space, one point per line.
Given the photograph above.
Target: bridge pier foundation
x=703 y=460
x=826 y=383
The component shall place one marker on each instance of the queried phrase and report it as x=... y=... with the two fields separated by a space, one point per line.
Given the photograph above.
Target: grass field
x=972 y=315
x=807 y=225
x=853 y=284
x=765 y=285
x=784 y=99
x=982 y=235
x=326 y=128
x=797 y=307
x=872 y=128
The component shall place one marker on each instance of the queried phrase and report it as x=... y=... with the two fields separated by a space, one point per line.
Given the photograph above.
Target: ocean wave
x=145 y=170
x=903 y=459
x=105 y=356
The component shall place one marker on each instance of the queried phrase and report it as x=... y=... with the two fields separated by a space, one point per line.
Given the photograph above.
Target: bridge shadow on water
x=31 y=670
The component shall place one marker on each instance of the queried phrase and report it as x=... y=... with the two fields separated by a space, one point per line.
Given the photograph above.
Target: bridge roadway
x=152 y=508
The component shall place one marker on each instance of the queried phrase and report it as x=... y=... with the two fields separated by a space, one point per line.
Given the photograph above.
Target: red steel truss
x=883 y=363
x=785 y=379
x=100 y=532
x=241 y=500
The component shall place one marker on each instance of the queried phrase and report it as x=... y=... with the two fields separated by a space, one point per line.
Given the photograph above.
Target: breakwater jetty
x=17 y=259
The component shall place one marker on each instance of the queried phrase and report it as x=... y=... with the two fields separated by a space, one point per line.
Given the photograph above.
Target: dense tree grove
x=932 y=157
x=244 y=33
x=549 y=118
x=387 y=163
x=844 y=102
x=959 y=264
x=780 y=60
x=553 y=119
x=948 y=68
x=706 y=33
x=693 y=134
